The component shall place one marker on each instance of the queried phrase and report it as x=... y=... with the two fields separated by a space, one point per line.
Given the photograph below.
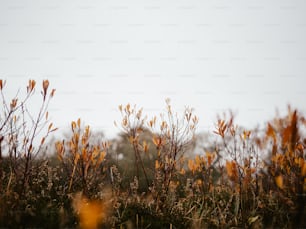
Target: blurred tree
x=122 y=154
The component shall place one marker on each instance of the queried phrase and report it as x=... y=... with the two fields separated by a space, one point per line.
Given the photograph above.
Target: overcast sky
x=244 y=55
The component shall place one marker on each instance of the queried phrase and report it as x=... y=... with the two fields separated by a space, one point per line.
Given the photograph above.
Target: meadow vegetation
x=153 y=175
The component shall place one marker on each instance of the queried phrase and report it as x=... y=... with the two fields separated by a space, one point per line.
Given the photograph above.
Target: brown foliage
x=247 y=178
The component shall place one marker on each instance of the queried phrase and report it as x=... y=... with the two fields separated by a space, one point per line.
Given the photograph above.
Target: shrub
x=25 y=178
x=245 y=179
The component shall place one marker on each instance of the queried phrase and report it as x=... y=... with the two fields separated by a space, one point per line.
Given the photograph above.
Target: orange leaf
x=90 y=212
x=73 y=125
x=33 y=83
x=163 y=125
x=191 y=166
x=279 y=181
x=52 y=92
x=132 y=139
x=13 y=103
x=182 y=171
x=102 y=156
x=59 y=147
x=270 y=132
x=31 y=86
x=76 y=159
x=45 y=86
x=145 y=146
x=156 y=140
x=84 y=154
x=157 y=165
x=50 y=126
x=246 y=134
x=304 y=169
x=210 y=157
x=105 y=145
x=152 y=122
x=232 y=170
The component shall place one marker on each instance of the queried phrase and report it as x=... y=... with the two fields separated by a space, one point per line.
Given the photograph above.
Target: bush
x=148 y=177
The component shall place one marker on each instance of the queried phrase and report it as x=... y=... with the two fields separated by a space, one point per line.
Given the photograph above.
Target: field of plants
x=156 y=174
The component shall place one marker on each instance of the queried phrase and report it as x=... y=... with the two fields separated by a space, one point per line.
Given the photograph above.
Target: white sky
x=247 y=55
